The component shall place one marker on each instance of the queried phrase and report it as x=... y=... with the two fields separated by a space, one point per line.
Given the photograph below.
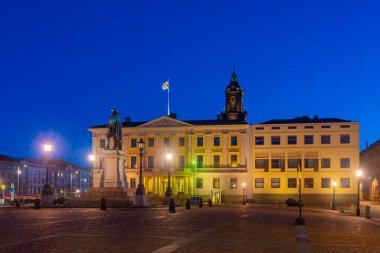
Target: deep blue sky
x=64 y=65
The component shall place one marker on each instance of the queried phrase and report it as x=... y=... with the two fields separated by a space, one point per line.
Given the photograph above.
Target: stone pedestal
x=140 y=201
x=112 y=171
x=47 y=196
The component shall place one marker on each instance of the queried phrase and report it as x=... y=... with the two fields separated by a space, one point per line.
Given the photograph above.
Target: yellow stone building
x=228 y=160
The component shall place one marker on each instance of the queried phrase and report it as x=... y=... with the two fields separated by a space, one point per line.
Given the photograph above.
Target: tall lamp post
x=168 y=192
x=333 y=203
x=18 y=181
x=359 y=173
x=47 y=192
x=140 y=191
x=243 y=184
x=91 y=158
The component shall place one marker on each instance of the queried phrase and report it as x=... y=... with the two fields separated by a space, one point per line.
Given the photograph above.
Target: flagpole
x=168 y=100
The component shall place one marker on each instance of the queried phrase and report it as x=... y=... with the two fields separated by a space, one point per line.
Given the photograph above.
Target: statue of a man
x=114 y=130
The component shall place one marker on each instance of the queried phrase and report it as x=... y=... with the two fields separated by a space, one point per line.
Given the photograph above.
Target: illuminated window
x=216 y=141
x=309 y=183
x=325 y=183
x=199 y=183
x=259 y=182
x=234 y=141
x=293 y=163
x=133 y=143
x=200 y=141
x=215 y=183
x=261 y=163
x=325 y=139
x=275 y=182
x=344 y=138
x=311 y=163
x=233 y=160
x=292 y=182
x=151 y=142
x=276 y=140
x=233 y=183
x=133 y=162
x=259 y=140
x=277 y=163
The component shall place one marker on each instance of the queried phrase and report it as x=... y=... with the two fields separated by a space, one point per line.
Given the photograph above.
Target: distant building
x=227 y=160
x=66 y=179
x=370 y=163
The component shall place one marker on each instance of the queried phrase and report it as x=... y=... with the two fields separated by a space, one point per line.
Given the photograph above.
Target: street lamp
x=168 y=192
x=333 y=203
x=244 y=184
x=47 y=193
x=359 y=173
x=18 y=181
x=91 y=157
x=140 y=188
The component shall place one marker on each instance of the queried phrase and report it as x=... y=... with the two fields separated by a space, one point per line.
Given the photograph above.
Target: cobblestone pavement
x=218 y=229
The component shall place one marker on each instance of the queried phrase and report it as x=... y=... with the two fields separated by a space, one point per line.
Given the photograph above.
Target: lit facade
x=226 y=158
x=370 y=163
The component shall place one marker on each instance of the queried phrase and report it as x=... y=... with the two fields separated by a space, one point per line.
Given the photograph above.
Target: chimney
x=173 y=115
x=127 y=119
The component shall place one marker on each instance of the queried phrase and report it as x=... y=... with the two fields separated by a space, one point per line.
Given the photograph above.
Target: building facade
x=370 y=162
x=228 y=160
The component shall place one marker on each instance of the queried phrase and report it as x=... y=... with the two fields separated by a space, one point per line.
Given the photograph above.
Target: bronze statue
x=114 y=130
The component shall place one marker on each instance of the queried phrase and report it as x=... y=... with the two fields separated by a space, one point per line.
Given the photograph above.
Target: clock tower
x=234 y=101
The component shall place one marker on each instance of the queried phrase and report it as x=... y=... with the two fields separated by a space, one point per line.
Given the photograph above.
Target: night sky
x=64 y=65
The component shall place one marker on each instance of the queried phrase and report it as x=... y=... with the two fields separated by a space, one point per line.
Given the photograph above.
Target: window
x=325 y=139
x=259 y=128
x=345 y=126
x=234 y=141
x=309 y=139
x=292 y=127
x=275 y=128
x=234 y=161
x=292 y=139
x=311 y=163
x=151 y=142
x=199 y=183
x=275 y=182
x=345 y=163
x=199 y=161
x=133 y=182
x=326 y=163
x=216 y=141
x=166 y=142
x=200 y=141
x=259 y=182
x=276 y=163
x=293 y=163
x=133 y=143
x=133 y=162
x=181 y=141
x=259 y=140
x=233 y=183
x=102 y=143
x=292 y=182
x=181 y=161
x=215 y=183
x=309 y=127
x=325 y=183
x=150 y=162
x=325 y=126
x=309 y=183
x=261 y=163
x=344 y=139
x=216 y=161
x=344 y=183
x=275 y=140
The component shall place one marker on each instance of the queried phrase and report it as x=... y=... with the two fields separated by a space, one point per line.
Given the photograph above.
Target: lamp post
x=243 y=184
x=168 y=192
x=91 y=157
x=47 y=193
x=359 y=173
x=18 y=181
x=140 y=188
x=333 y=203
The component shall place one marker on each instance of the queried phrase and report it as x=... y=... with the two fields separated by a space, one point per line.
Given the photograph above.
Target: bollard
x=201 y=203
x=209 y=203
x=103 y=205
x=188 y=206
x=342 y=209
x=171 y=206
x=368 y=212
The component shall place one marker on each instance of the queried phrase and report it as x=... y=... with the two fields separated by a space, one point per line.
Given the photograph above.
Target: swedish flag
x=165 y=85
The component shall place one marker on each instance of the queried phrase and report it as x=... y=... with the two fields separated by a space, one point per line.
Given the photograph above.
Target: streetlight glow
x=91 y=157
x=359 y=173
x=334 y=183
x=243 y=184
x=169 y=156
x=48 y=147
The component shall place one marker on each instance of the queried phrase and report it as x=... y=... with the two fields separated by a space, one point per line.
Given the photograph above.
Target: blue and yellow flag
x=165 y=85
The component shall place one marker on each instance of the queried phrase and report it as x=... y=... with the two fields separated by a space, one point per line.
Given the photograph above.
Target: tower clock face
x=233 y=102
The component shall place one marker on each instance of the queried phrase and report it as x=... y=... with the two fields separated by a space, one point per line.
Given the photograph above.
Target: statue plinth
x=46 y=196
x=113 y=169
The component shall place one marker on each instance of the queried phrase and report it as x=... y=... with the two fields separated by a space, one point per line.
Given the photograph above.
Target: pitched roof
x=304 y=119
